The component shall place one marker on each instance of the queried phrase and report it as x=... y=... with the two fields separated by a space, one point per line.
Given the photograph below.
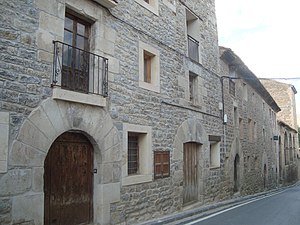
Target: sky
x=265 y=34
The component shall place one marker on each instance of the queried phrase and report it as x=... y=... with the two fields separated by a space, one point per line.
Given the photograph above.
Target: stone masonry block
x=51 y=109
x=41 y=121
x=45 y=56
x=32 y=136
x=49 y=6
x=38 y=179
x=113 y=64
x=52 y=24
x=24 y=155
x=112 y=155
x=110 y=34
x=29 y=207
x=15 y=182
x=4 y=135
x=44 y=40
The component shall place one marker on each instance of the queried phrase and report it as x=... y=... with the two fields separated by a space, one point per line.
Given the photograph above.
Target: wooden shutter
x=161 y=164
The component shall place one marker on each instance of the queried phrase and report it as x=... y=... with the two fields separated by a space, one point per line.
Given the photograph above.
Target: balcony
x=79 y=76
x=193 y=49
x=80 y=71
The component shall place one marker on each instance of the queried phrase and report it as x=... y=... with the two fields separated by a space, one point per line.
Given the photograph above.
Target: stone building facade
x=117 y=105
x=250 y=128
x=284 y=94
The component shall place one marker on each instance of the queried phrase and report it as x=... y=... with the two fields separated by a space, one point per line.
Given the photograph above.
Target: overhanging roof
x=228 y=56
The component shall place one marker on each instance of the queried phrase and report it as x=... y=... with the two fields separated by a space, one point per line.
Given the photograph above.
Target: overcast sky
x=265 y=34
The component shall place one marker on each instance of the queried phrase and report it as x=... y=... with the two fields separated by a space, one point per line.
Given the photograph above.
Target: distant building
x=284 y=95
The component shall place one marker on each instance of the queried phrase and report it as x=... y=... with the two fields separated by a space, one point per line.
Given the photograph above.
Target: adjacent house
x=284 y=94
x=117 y=112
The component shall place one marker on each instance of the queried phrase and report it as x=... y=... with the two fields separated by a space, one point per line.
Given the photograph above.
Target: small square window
x=161 y=164
x=133 y=153
x=193 y=87
x=148 y=60
x=137 y=145
x=149 y=68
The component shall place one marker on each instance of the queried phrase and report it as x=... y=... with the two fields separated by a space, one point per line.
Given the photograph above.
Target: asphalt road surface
x=281 y=208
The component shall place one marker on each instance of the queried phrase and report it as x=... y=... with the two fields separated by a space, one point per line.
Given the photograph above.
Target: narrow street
x=281 y=208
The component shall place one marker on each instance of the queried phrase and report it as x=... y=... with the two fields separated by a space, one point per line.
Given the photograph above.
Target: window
x=193 y=36
x=254 y=130
x=161 y=164
x=151 y=5
x=235 y=117
x=193 y=87
x=147 y=66
x=137 y=144
x=250 y=130
x=75 y=69
x=149 y=70
x=245 y=92
x=214 y=143
x=133 y=153
x=231 y=87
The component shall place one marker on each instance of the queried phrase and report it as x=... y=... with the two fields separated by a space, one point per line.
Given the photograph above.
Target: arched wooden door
x=68 y=181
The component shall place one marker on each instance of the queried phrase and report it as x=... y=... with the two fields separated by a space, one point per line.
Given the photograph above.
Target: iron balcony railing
x=193 y=48
x=79 y=70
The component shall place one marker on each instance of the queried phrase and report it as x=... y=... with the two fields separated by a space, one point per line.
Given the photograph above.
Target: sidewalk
x=183 y=217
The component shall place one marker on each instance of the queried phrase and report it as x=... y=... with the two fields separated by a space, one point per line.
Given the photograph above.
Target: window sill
x=214 y=167
x=72 y=96
x=107 y=3
x=136 y=179
x=148 y=86
x=151 y=7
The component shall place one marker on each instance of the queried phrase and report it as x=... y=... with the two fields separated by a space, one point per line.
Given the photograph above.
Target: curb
x=180 y=215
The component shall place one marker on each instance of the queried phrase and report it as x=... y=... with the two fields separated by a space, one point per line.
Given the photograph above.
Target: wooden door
x=190 y=170
x=68 y=181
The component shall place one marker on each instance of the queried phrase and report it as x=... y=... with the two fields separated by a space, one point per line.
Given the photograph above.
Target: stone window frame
x=192 y=29
x=154 y=84
x=193 y=88
x=96 y=26
x=245 y=91
x=151 y=5
x=145 y=155
x=214 y=151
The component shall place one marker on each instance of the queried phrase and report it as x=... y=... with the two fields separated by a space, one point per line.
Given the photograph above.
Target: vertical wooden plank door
x=190 y=170
x=68 y=181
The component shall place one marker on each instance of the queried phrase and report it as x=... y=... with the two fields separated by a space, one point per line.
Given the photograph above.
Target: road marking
x=234 y=207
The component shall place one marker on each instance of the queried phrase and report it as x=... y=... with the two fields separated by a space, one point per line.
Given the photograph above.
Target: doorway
x=190 y=170
x=68 y=181
x=236 y=187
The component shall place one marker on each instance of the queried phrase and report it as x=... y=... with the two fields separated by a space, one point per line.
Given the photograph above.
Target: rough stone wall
x=255 y=150
x=285 y=98
x=284 y=95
